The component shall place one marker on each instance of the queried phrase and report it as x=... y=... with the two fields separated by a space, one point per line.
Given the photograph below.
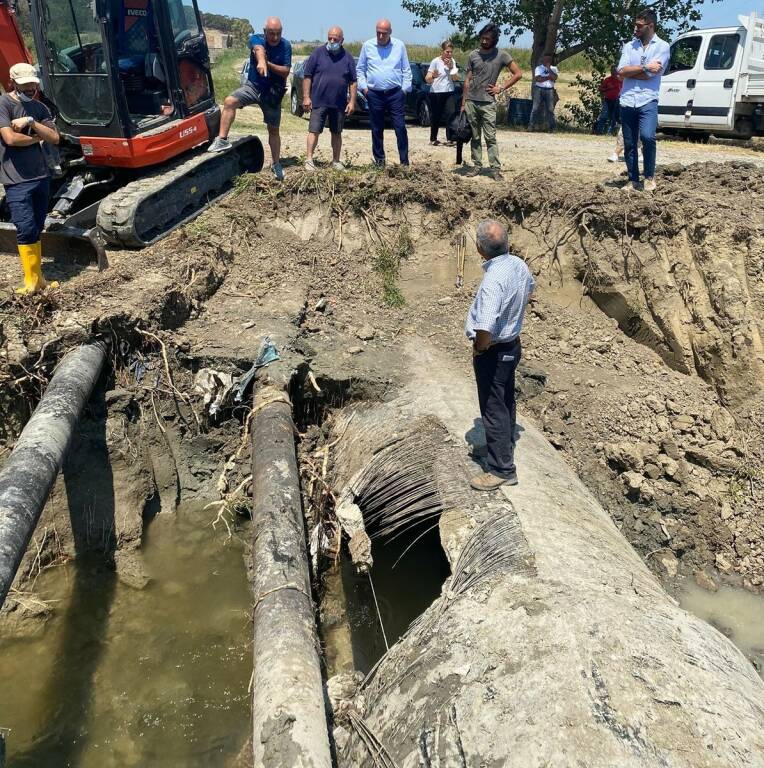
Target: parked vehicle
x=417 y=104
x=715 y=82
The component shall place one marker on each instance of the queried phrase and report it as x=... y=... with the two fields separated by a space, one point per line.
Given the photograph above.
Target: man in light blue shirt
x=643 y=61
x=493 y=325
x=384 y=77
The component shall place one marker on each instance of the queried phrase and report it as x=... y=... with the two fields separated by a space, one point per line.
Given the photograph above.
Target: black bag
x=459 y=128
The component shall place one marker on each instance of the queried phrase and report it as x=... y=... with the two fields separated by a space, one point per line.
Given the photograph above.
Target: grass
x=388 y=266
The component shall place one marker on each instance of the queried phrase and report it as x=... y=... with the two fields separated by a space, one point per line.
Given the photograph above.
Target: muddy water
x=736 y=613
x=123 y=677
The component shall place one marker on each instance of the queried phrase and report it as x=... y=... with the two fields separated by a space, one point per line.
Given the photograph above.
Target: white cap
x=24 y=74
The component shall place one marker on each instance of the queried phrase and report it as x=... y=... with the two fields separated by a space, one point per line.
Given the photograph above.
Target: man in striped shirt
x=493 y=325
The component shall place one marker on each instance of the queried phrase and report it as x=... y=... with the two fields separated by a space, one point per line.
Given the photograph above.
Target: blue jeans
x=392 y=102
x=495 y=377
x=28 y=204
x=609 y=116
x=640 y=124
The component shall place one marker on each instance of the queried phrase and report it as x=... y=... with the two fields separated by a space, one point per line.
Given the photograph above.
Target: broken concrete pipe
x=30 y=471
x=289 y=717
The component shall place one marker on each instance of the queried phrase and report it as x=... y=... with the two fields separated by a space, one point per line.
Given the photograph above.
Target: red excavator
x=129 y=85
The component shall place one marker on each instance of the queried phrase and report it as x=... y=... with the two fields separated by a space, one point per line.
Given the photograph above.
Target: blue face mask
x=24 y=97
x=333 y=47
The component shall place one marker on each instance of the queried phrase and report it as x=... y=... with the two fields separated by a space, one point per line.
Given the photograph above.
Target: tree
x=241 y=29
x=562 y=27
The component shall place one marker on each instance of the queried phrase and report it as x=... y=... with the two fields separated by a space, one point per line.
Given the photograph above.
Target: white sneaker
x=219 y=145
x=649 y=185
x=338 y=166
x=309 y=166
x=277 y=171
x=613 y=158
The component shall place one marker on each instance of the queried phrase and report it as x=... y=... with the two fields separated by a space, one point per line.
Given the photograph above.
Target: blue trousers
x=609 y=116
x=28 y=204
x=640 y=124
x=390 y=102
x=495 y=377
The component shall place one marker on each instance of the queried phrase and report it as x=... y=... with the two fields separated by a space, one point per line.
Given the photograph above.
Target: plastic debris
x=267 y=353
x=215 y=388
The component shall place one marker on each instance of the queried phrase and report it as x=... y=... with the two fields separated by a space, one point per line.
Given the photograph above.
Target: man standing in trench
x=269 y=64
x=493 y=325
x=328 y=92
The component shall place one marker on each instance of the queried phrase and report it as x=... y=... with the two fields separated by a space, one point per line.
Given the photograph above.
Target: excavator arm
x=12 y=47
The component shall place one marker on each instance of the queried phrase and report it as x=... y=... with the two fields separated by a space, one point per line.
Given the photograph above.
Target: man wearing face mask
x=643 y=62
x=24 y=124
x=329 y=77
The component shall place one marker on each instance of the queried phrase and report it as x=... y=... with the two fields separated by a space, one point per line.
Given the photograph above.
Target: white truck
x=714 y=83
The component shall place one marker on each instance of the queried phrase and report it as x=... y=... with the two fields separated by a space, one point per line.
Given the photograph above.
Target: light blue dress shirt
x=382 y=67
x=637 y=93
x=499 y=306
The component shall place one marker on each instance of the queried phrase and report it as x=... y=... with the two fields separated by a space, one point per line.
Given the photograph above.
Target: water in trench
x=735 y=612
x=405 y=586
x=123 y=677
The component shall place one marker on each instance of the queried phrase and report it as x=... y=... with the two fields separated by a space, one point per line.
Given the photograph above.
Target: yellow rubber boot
x=31 y=263
x=41 y=281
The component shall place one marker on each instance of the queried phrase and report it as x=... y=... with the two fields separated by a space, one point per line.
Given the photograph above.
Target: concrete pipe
x=289 y=715
x=30 y=471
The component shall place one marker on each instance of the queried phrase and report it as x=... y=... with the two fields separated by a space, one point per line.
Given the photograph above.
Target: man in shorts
x=329 y=92
x=269 y=65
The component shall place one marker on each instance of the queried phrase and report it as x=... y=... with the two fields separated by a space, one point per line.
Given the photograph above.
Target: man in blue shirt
x=643 y=61
x=493 y=325
x=329 y=76
x=384 y=77
x=269 y=65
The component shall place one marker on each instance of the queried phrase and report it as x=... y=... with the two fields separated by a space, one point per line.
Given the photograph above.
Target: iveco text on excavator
x=129 y=84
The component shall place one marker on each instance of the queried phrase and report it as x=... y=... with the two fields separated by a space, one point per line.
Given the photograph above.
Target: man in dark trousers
x=610 y=90
x=384 y=78
x=25 y=124
x=493 y=325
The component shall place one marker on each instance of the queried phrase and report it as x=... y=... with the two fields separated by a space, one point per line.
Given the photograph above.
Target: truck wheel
x=423 y=113
x=743 y=128
x=294 y=104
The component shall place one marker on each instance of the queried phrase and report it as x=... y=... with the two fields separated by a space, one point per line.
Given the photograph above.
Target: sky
x=309 y=20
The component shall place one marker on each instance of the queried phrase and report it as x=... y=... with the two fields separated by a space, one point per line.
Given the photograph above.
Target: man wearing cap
x=25 y=124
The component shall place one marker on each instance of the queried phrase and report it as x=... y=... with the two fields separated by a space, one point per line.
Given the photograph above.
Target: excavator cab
x=129 y=84
x=120 y=68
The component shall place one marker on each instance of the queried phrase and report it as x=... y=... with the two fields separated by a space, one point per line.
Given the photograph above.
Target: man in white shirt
x=643 y=61
x=544 y=78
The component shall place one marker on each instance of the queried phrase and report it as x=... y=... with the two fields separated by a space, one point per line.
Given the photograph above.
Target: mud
x=642 y=354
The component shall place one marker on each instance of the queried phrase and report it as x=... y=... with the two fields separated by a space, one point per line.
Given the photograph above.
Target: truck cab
x=715 y=82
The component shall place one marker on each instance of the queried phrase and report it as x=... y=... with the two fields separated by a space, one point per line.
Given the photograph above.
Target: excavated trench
x=130 y=635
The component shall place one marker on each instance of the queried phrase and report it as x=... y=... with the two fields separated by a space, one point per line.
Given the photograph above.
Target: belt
x=388 y=91
x=502 y=345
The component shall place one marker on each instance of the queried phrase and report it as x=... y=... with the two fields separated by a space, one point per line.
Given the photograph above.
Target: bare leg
x=274 y=142
x=227 y=116
x=312 y=143
x=336 y=146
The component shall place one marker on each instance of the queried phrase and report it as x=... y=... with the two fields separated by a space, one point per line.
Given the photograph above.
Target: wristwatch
x=30 y=121
x=645 y=70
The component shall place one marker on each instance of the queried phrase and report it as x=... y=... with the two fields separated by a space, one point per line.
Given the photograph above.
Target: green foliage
x=241 y=29
x=225 y=71
x=388 y=265
x=585 y=113
x=592 y=26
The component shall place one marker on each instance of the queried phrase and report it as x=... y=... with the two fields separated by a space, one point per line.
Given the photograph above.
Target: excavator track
x=145 y=210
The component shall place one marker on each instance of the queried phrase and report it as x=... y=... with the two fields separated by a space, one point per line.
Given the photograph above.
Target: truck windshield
x=76 y=62
x=684 y=54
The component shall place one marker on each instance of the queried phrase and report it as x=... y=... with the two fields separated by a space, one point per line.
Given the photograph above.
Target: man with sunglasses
x=643 y=62
x=384 y=77
x=269 y=64
x=25 y=125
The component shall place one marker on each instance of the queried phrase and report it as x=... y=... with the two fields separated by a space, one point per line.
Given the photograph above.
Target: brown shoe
x=485 y=481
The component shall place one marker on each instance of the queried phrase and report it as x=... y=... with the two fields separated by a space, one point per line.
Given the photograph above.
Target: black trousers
x=495 y=376
x=438 y=102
